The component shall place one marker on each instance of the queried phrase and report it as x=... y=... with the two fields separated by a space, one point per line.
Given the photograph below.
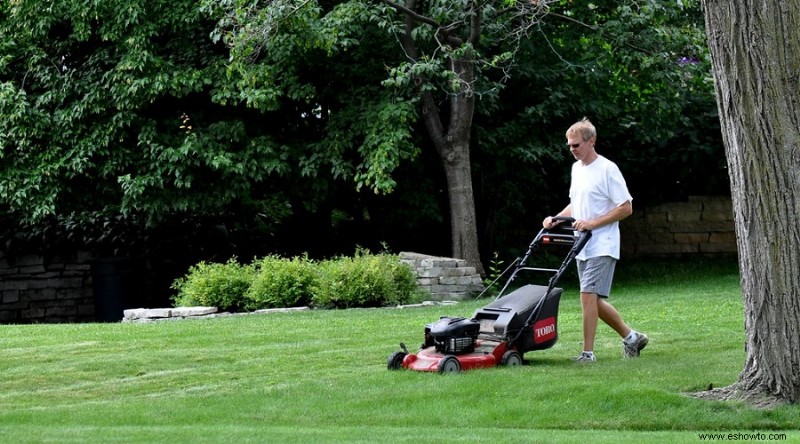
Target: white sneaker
x=632 y=350
x=584 y=358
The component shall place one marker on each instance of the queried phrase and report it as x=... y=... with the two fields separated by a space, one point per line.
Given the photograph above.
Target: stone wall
x=37 y=289
x=701 y=225
x=443 y=277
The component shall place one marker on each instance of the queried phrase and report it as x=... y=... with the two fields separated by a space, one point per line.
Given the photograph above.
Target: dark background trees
x=171 y=131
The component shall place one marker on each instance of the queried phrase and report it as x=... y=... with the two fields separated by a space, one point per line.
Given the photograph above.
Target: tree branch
x=407 y=41
x=475 y=26
x=570 y=19
x=413 y=14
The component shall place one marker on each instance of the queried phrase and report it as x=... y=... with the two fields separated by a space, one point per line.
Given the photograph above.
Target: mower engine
x=452 y=335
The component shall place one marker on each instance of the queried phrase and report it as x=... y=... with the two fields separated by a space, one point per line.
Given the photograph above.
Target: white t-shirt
x=596 y=189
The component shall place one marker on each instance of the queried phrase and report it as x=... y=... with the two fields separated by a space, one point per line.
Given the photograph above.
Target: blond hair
x=583 y=128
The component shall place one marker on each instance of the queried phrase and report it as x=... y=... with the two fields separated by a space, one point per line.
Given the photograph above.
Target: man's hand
x=584 y=225
x=548 y=222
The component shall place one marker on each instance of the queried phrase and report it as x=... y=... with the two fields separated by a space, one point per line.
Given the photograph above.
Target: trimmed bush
x=364 y=281
x=281 y=282
x=215 y=285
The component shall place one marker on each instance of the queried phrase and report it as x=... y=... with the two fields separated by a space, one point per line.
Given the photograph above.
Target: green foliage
x=112 y=112
x=494 y=271
x=215 y=285
x=281 y=282
x=144 y=112
x=364 y=281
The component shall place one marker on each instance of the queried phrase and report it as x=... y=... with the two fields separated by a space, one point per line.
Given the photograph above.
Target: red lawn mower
x=502 y=332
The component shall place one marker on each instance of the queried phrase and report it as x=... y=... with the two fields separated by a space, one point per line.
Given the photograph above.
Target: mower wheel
x=395 y=361
x=511 y=358
x=449 y=364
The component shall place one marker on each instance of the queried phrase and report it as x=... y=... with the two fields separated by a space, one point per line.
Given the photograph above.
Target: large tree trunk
x=755 y=47
x=453 y=149
x=452 y=144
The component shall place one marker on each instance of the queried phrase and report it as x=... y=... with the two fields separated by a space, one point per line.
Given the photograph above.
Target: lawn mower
x=500 y=333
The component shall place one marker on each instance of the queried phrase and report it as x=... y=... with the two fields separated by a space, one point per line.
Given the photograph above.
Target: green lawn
x=320 y=376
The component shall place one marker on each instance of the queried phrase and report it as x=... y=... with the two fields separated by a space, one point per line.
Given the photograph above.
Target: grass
x=321 y=376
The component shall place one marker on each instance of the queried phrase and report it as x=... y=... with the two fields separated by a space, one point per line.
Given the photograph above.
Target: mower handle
x=561 y=219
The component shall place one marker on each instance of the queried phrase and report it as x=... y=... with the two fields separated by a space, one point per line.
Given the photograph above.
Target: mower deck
x=486 y=354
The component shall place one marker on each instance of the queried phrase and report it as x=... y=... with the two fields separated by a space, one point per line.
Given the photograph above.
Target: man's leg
x=589 y=308
x=632 y=343
x=608 y=314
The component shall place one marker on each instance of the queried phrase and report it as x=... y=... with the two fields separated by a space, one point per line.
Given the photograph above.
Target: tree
x=112 y=123
x=755 y=48
x=451 y=60
x=109 y=119
x=440 y=41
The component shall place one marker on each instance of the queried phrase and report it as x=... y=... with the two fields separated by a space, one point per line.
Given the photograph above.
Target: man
x=599 y=199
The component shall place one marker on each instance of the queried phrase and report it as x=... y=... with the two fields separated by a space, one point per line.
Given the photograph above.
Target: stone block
x=193 y=311
x=700 y=227
x=667 y=249
x=461 y=280
x=438 y=263
x=655 y=217
x=29 y=260
x=13 y=284
x=691 y=238
x=134 y=313
x=158 y=313
x=32 y=313
x=39 y=294
x=685 y=212
x=60 y=311
x=10 y=296
x=433 y=272
x=719 y=248
x=458 y=272
x=69 y=293
x=723 y=238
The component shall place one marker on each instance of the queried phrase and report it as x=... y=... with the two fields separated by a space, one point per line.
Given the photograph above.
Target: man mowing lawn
x=599 y=199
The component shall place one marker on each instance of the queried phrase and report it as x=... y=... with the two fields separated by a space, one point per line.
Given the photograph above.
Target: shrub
x=214 y=285
x=281 y=283
x=364 y=281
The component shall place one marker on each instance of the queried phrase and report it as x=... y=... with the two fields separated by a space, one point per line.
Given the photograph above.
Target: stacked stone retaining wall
x=443 y=277
x=702 y=225
x=38 y=289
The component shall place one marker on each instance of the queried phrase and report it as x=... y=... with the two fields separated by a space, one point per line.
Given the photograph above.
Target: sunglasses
x=574 y=145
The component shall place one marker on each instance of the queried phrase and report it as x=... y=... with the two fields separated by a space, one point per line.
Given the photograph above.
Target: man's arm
x=620 y=212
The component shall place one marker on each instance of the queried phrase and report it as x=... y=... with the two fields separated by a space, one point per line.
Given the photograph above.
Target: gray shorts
x=596 y=274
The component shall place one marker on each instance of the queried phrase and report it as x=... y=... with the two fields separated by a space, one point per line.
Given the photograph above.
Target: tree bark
x=456 y=161
x=452 y=146
x=452 y=143
x=755 y=49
